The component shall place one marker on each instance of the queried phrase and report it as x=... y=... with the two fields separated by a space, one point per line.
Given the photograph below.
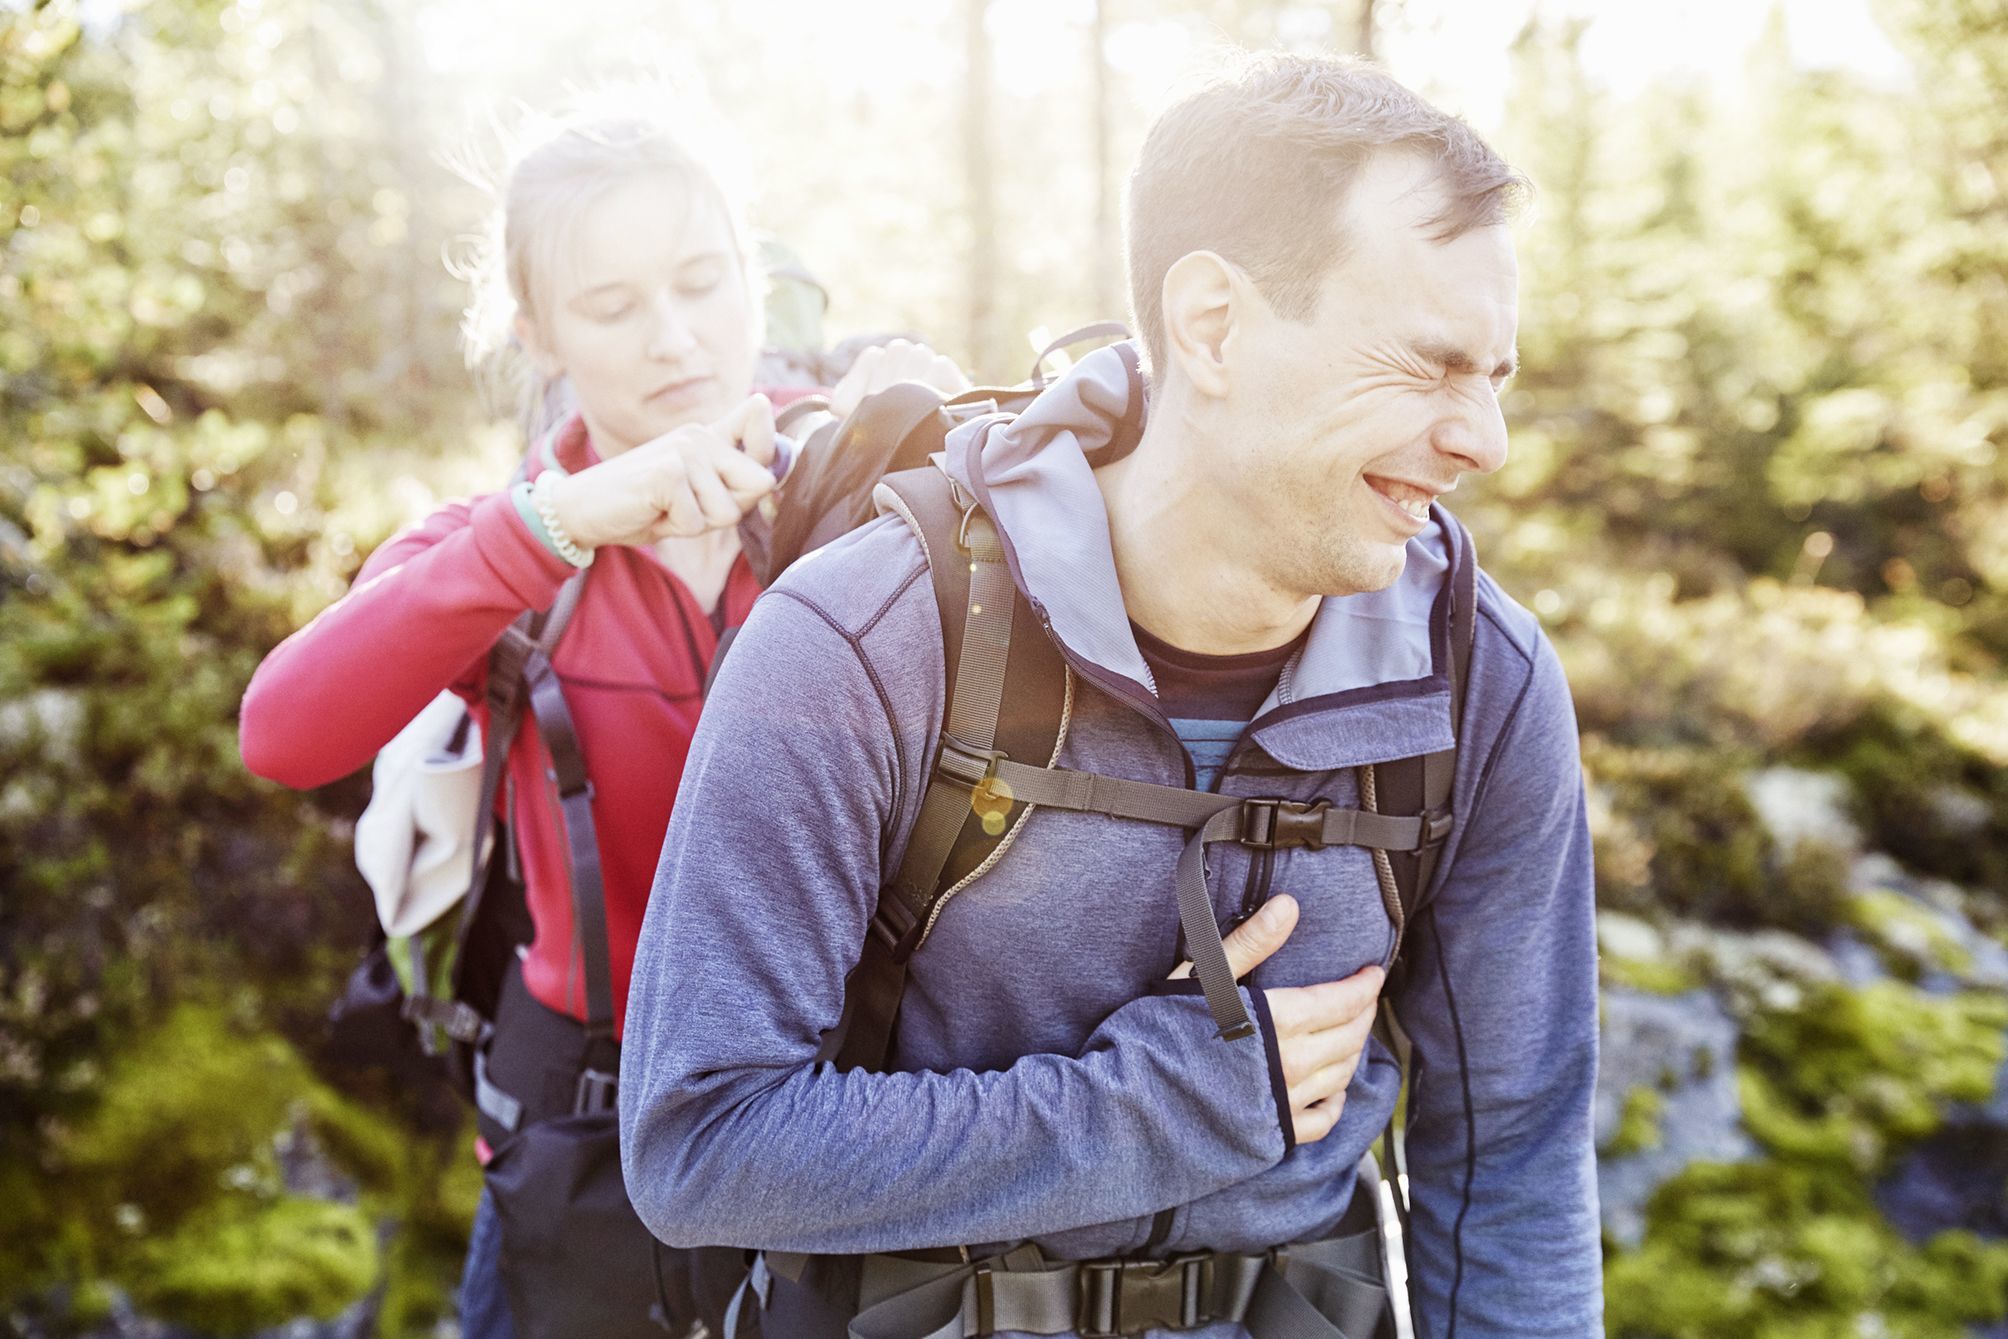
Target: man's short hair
x=1254 y=165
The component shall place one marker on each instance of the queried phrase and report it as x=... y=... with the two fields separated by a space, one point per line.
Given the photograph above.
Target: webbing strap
x=1121 y=797
x=1202 y=931
x=531 y=631
x=575 y=797
x=496 y=1105
x=973 y=708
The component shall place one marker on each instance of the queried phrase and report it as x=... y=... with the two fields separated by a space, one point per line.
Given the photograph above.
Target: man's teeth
x=1415 y=503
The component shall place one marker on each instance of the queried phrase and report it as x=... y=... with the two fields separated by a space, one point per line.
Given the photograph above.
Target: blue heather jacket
x=1043 y=1091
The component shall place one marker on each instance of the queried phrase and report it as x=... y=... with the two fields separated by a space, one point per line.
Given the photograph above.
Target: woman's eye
x=617 y=312
x=697 y=288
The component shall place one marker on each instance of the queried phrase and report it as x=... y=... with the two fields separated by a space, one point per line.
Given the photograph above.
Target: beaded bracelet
x=542 y=494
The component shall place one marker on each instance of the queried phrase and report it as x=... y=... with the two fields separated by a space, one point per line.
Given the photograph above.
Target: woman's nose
x=669 y=334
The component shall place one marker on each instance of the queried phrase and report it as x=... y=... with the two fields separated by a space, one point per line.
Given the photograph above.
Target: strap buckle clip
x=595 y=1092
x=1128 y=1297
x=1436 y=825
x=1271 y=825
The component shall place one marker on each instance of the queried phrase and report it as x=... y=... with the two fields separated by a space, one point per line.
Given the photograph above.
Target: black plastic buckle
x=1271 y=825
x=1436 y=825
x=596 y=1091
x=965 y=764
x=1128 y=1297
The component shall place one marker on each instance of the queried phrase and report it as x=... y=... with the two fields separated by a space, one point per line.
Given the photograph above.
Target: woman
x=624 y=268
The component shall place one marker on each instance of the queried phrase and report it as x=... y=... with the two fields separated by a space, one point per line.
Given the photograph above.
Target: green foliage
x=1777 y=1250
x=1638 y=1124
x=1716 y=383
x=1654 y=976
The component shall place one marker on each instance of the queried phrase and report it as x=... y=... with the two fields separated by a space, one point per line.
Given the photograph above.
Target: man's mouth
x=1410 y=498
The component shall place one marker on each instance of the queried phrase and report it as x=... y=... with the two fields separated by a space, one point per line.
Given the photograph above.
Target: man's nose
x=1476 y=436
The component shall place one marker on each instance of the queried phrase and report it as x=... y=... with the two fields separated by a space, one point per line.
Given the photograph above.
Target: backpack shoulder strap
x=1007 y=695
x=1422 y=785
x=534 y=632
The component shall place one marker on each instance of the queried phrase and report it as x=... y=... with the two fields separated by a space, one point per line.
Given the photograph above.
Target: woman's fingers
x=750 y=428
x=746 y=481
x=715 y=504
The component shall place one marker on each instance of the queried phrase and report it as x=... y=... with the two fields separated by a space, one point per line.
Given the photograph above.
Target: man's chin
x=1362 y=573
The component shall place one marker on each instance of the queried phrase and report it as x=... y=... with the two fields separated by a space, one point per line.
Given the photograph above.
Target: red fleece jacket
x=420 y=618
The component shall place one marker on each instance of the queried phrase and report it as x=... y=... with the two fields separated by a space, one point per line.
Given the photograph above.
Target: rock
x=1798 y=805
x=1622 y=936
x=1767 y=969
x=1684 y=1048
x=1924 y=933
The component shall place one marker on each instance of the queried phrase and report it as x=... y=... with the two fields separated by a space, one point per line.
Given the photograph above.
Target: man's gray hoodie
x=1042 y=1090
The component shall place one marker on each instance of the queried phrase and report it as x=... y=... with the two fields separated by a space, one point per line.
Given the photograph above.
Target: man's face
x=1344 y=427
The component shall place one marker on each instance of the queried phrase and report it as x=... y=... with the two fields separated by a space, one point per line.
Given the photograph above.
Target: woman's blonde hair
x=552 y=167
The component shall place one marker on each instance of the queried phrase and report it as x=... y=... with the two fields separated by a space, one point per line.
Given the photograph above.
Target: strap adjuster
x=595 y=1092
x=1436 y=825
x=965 y=764
x=585 y=788
x=1270 y=825
x=896 y=926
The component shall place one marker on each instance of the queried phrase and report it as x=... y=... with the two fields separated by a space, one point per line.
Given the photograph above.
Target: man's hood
x=1372 y=679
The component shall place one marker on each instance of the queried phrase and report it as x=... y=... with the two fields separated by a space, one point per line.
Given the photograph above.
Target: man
x=1250 y=601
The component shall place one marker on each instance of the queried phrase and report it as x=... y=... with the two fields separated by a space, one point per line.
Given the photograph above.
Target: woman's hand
x=692 y=479
x=1321 y=1030
x=900 y=360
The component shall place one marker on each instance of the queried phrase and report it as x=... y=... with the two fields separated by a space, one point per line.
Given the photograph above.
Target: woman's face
x=650 y=314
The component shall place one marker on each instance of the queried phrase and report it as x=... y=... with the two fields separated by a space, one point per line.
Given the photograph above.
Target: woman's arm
x=421 y=616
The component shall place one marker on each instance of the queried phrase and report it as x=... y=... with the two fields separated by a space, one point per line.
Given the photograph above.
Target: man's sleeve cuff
x=1265 y=1026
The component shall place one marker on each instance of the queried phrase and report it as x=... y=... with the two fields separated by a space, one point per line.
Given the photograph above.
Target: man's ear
x=533 y=344
x=1201 y=296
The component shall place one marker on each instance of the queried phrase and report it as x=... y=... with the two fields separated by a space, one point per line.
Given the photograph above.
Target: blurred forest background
x=1758 y=495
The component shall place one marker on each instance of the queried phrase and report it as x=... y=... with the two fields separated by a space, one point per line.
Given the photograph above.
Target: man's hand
x=901 y=360
x=1321 y=1030
x=692 y=479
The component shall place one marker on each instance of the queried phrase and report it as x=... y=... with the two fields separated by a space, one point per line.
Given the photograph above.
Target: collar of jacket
x=1371 y=681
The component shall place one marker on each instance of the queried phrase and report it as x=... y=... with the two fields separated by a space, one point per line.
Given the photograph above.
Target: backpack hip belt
x=1329 y=1289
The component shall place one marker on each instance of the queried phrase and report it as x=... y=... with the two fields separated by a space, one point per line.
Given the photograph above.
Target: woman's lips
x=685 y=394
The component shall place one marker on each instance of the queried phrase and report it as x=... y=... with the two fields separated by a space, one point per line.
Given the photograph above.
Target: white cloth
x=415 y=840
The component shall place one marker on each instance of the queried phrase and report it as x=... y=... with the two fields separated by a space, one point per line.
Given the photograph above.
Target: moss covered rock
x=240 y=1266
x=1850 y=1074
x=222 y=1187
x=1776 y=1250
